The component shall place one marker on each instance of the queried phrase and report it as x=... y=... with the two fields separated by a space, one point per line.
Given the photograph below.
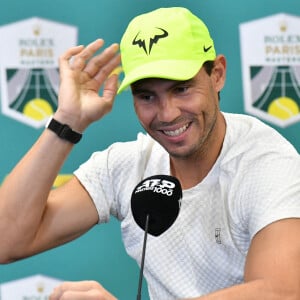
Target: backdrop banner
x=270 y=49
x=29 y=67
x=260 y=41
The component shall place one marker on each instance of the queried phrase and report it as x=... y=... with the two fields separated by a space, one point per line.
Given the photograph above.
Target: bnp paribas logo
x=270 y=51
x=29 y=55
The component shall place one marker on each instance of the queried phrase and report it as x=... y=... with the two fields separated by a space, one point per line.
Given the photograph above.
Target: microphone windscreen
x=159 y=197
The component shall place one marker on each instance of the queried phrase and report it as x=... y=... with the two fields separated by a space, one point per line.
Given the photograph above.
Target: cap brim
x=166 y=69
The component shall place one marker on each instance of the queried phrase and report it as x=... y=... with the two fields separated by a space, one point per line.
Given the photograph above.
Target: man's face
x=180 y=115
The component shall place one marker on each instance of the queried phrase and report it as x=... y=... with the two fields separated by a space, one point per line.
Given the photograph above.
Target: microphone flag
x=159 y=197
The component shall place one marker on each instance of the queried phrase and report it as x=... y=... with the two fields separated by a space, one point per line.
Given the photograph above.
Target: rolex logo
x=36 y=30
x=283 y=26
x=40 y=287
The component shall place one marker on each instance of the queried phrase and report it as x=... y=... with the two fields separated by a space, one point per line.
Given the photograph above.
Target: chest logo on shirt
x=218 y=235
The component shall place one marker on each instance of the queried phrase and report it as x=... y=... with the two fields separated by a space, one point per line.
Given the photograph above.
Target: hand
x=82 y=75
x=81 y=290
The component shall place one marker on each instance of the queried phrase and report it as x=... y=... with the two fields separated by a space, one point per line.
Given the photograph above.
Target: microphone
x=155 y=205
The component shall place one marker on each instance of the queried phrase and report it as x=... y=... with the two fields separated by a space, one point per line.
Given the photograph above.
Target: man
x=236 y=236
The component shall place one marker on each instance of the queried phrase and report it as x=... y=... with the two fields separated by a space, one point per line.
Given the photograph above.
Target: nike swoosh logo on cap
x=207 y=49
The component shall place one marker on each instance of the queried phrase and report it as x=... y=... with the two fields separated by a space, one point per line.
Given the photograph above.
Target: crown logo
x=283 y=26
x=40 y=287
x=36 y=30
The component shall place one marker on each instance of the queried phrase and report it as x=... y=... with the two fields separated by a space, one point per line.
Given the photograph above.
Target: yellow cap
x=170 y=43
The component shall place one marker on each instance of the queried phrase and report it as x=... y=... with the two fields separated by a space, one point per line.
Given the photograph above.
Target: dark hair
x=208 y=66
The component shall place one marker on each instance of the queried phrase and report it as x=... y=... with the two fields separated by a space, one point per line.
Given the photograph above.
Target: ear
x=219 y=72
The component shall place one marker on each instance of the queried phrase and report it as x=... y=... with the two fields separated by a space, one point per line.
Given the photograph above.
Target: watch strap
x=64 y=131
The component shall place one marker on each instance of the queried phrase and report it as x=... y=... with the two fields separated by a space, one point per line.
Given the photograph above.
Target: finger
x=78 y=285
x=80 y=59
x=70 y=52
x=92 y=294
x=100 y=61
x=108 y=69
x=80 y=290
x=64 y=59
x=110 y=89
x=66 y=286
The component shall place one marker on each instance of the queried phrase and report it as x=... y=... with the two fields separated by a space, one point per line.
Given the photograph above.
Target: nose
x=168 y=109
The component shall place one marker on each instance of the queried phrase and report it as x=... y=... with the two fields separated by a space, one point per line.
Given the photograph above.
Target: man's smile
x=177 y=131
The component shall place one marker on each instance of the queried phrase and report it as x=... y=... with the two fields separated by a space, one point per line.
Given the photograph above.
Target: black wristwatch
x=64 y=131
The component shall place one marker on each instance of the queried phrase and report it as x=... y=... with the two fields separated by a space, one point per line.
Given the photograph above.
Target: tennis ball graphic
x=283 y=108
x=61 y=179
x=37 y=109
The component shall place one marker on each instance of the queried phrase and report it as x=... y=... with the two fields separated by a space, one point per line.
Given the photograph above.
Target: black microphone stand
x=139 y=296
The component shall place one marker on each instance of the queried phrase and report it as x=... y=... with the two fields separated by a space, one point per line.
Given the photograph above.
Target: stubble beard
x=201 y=147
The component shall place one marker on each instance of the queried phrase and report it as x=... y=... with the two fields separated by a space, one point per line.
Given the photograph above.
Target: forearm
x=253 y=290
x=28 y=222
x=24 y=193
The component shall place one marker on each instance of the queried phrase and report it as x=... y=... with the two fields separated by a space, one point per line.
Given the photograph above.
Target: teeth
x=177 y=131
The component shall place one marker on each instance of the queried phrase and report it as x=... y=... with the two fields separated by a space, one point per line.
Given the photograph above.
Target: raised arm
x=33 y=217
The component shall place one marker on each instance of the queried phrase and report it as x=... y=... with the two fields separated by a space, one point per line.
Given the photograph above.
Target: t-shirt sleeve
x=94 y=175
x=271 y=191
x=109 y=176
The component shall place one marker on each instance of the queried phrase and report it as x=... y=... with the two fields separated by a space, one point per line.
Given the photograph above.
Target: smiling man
x=236 y=233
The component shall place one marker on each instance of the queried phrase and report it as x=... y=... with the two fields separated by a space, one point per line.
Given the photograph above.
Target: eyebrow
x=137 y=89
x=141 y=87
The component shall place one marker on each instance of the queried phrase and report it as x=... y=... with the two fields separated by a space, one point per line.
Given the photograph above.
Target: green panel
x=100 y=254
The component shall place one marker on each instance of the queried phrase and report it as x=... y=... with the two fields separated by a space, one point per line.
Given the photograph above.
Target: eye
x=146 y=97
x=181 y=89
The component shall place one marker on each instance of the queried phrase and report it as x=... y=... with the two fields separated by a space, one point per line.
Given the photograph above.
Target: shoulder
x=253 y=151
x=123 y=158
x=251 y=139
x=262 y=172
x=134 y=153
x=124 y=150
x=239 y=125
x=110 y=175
